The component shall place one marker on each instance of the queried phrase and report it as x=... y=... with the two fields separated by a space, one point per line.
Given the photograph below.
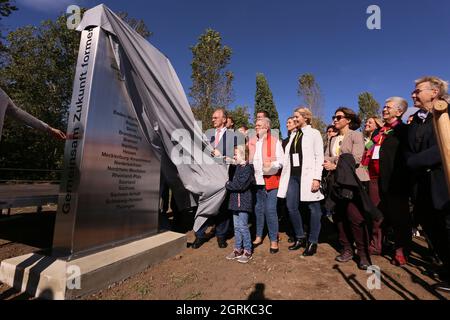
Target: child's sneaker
x=234 y=255
x=246 y=257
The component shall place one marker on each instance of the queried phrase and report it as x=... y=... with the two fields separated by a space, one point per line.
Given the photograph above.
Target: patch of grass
x=194 y=295
x=181 y=280
x=143 y=289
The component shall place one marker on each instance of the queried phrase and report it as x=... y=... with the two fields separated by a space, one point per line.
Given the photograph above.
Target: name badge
x=295 y=160
x=376 y=153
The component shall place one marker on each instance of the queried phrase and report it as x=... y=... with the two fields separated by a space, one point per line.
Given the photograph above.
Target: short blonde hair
x=306 y=113
x=436 y=83
x=378 y=122
x=243 y=151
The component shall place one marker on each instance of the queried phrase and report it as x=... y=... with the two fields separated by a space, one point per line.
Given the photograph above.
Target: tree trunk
x=442 y=127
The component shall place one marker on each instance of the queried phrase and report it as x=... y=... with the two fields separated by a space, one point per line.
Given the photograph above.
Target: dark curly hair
x=355 y=121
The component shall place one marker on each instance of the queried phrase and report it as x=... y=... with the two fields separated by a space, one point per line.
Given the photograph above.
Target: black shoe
x=442 y=286
x=291 y=239
x=435 y=260
x=363 y=264
x=257 y=244
x=298 y=244
x=222 y=243
x=310 y=250
x=430 y=273
x=274 y=250
x=198 y=242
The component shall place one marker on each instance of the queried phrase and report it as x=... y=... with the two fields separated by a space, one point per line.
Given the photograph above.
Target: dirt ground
x=205 y=274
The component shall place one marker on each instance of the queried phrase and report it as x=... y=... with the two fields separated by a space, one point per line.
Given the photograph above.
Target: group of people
x=368 y=182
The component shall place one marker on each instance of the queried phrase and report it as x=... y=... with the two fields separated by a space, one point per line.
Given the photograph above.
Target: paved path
x=28 y=190
x=17 y=195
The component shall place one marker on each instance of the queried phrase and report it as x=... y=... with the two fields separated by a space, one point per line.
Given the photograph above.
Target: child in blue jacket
x=241 y=204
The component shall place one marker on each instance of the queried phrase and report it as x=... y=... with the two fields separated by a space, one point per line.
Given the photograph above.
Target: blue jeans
x=266 y=209
x=242 y=238
x=292 y=202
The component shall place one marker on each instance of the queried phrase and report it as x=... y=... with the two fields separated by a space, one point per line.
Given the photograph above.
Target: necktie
x=216 y=139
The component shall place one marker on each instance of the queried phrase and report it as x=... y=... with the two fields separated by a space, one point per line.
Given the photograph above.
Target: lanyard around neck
x=296 y=138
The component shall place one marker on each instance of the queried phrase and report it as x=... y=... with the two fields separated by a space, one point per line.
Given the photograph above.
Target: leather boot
x=198 y=242
x=298 y=244
x=311 y=249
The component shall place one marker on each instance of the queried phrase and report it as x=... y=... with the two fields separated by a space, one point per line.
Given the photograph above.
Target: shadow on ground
x=31 y=229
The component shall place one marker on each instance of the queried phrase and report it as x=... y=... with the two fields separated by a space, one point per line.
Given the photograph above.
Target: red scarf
x=269 y=154
x=373 y=164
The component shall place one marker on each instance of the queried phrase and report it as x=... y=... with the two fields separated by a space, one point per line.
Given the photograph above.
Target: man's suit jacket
x=226 y=143
x=424 y=159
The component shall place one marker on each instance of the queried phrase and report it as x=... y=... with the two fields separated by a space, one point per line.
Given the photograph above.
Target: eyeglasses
x=417 y=91
x=337 y=118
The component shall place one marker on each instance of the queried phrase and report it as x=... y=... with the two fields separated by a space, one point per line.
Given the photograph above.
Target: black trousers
x=222 y=221
x=436 y=224
x=395 y=208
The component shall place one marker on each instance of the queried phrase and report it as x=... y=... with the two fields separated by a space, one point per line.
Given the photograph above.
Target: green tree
x=241 y=116
x=38 y=77
x=6 y=8
x=211 y=82
x=309 y=91
x=137 y=24
x=38 y=74
x=264 y=100
x=368 y=106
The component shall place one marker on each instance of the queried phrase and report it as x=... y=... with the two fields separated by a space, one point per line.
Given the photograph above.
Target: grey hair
x=267 y=122
x=436 y=83
x=400 y=103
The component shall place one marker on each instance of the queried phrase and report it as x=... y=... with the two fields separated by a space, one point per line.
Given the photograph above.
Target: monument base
x=52 y=278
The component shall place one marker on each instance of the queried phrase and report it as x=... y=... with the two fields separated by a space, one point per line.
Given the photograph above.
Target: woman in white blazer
x=300 y=180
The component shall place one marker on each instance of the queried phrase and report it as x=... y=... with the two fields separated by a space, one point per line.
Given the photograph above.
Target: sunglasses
x=417 y=91
x=337 y=118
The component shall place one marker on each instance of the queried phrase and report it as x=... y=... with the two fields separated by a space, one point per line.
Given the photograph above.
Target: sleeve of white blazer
x=318 y=155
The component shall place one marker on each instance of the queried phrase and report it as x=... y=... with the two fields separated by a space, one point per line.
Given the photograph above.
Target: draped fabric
x=163 y=111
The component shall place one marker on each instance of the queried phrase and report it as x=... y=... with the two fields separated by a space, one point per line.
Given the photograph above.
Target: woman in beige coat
x=349 y=217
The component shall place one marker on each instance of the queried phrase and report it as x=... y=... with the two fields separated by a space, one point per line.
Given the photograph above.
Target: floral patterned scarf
x=386 y=130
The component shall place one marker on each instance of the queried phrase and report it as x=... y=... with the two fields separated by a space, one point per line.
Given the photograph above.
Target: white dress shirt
x=258 y=162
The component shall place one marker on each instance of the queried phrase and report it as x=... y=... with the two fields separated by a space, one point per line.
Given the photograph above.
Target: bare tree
x=309 y=91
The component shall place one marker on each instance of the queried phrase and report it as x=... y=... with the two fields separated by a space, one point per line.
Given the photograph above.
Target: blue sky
x=286 y=38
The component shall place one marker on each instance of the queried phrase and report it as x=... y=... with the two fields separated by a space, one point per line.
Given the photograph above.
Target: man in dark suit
x=222 y=149
x=432 y=201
